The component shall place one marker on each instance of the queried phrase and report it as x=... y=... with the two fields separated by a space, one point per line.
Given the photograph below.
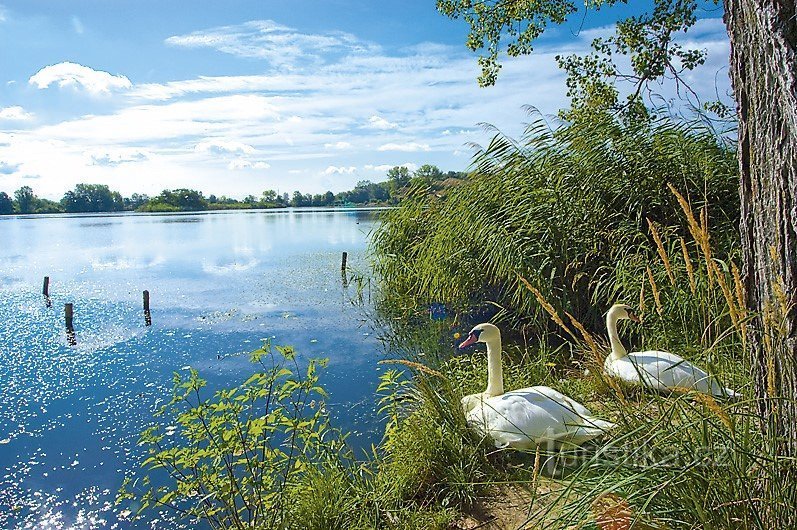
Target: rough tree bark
x=763 y=70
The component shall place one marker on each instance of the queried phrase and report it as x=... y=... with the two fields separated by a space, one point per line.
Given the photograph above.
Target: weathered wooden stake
x=343 y=261
x=69 y=313
x=147 y=314
x=69 y=320
x=46 y=286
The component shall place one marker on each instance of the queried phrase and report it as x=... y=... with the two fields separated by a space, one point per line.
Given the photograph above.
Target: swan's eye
x=477 y=332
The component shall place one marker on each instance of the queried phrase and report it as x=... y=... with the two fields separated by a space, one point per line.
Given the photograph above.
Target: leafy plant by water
x=232 y=459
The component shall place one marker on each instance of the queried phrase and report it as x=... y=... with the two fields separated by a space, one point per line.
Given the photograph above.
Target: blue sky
x=237 y=97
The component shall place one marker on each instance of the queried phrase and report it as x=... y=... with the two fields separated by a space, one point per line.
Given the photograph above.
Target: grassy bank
x=547 y=234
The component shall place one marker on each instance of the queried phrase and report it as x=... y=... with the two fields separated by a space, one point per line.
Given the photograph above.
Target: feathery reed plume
x=593 y=346
x=660 y=249
x=705 y=238
x=695 y=228
x=417 y=366
x=726 y=292
x=712 y=405
x=535 y=473
x=690 y=270
x=655 y=290
x=547 y=306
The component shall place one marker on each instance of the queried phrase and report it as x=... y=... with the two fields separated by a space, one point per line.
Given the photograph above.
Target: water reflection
x=219 y=284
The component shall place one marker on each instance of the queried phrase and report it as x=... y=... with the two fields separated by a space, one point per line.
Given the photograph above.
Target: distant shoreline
x=282 y=209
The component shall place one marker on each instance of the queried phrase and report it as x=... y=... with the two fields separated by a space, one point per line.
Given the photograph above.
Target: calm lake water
x=219 y=282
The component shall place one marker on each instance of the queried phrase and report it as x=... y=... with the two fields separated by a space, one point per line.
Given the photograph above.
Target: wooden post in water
x=69 y=321
x=147 y=314
x=343 y=276
x=46 y=292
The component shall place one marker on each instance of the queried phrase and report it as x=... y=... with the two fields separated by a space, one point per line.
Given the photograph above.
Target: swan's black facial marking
x=473 y=337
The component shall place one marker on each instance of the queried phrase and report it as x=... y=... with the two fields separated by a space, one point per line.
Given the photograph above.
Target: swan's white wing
x=663 y=370
x=531 y=416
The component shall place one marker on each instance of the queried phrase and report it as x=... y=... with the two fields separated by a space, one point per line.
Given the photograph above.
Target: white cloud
x=115 y=157
x=2 y=14
x=223 y=147
x=378 y=122
x=247 y=164
x=338 y=145
x=77 y=25
x=333 y=170
x=408 y=147
x=384 y=167
x=321 y=121
x=15 y=113
x=280 y=45
x=76 y=75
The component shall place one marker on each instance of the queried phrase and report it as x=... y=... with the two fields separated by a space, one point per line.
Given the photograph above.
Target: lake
x=219 y=283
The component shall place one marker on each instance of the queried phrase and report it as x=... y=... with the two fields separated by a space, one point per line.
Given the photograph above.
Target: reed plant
x=567 y=207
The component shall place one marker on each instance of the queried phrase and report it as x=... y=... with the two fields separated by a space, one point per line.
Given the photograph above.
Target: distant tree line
x=87 y=198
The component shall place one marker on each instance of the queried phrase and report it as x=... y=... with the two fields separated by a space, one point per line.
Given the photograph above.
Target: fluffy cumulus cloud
x=384 y=167
x=15 y=113
x=224 y=147
x=338 y=145
x=78 y=76
x=279 y=45
x=247 y=164
x=406 y=146
x=334 y=170
x=378 y=122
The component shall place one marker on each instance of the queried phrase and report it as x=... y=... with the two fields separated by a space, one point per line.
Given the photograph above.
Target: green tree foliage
x=300 y=199
x=398 y=177
x=177 y=200
x=25 y=199
x=429 y=172
x=6 y=204
x=92 y=198
x=647 y=39
x=135 y=201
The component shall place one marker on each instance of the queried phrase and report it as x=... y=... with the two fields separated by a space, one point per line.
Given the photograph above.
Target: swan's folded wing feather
x=534 y=415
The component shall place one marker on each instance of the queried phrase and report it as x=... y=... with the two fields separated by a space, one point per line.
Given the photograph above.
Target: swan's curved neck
x=618 y=350
x=495 y=373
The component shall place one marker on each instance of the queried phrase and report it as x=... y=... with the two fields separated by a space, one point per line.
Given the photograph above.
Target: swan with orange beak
x=658 y=370
x=525 y=418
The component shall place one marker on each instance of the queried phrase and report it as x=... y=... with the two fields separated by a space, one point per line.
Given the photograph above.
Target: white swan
x=659 y=370
x=527 y=417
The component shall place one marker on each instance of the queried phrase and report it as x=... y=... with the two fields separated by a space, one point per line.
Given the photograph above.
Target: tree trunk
x=763 y=70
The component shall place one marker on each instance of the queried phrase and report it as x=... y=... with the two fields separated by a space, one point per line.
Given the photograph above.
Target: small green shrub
x=232 y=460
